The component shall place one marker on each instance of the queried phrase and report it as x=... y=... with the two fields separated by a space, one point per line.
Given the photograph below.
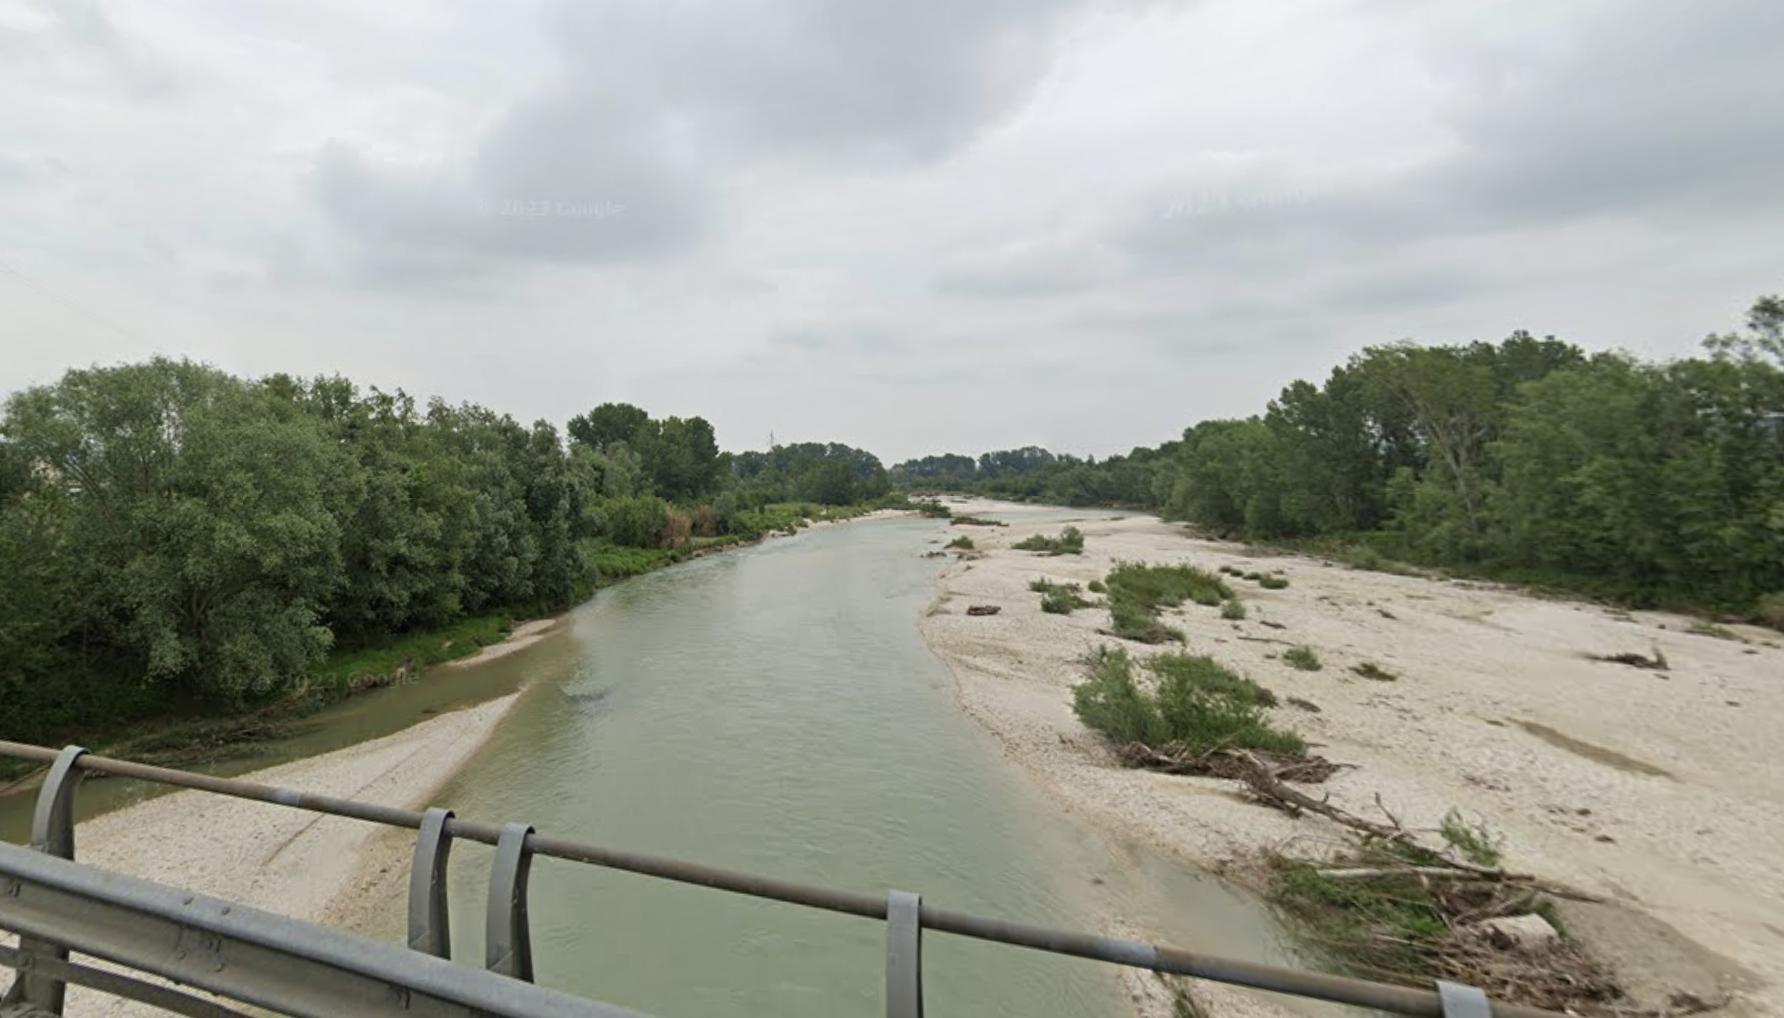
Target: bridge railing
x=298 y=968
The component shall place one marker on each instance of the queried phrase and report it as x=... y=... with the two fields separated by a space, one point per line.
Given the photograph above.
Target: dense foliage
x=1527 y=458
x=171 y=533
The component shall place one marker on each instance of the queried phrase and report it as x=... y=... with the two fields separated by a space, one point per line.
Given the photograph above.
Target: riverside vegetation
x=179 y=542
x=1528 y=460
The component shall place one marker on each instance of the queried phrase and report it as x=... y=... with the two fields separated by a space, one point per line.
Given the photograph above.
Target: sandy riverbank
x=1657 y=790
x=522 y=636
x=288 y=861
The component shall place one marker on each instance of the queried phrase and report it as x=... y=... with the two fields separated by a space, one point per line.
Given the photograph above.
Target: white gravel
x=1670 y=799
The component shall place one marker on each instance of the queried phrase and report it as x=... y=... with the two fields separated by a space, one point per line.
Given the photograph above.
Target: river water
x=773 y=710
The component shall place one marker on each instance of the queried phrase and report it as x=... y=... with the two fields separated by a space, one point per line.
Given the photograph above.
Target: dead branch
x=1268 y=788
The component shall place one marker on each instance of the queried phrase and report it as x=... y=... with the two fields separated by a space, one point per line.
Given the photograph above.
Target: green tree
x=200 y=508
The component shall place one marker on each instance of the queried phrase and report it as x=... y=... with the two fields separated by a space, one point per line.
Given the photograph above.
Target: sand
x=292 y=862
x=522 y=636
x=1655 y=789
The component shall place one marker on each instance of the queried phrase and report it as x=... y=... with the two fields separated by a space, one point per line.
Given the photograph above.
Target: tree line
x=170 y=531
x=1529 y=458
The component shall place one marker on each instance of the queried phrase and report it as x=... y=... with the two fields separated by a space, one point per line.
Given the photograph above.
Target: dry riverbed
x=1657 y=790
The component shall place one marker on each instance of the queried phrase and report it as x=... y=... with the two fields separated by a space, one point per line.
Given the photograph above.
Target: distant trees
x=1525 y=458
x=825 y=473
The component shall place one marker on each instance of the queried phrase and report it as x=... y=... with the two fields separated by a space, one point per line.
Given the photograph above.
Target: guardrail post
x=904 y=955
x=52 y=833
x=1463 y=1001
x=508 y=945
x=430 y=931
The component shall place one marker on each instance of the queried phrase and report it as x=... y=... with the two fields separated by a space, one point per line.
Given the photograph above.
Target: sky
x=915 y=228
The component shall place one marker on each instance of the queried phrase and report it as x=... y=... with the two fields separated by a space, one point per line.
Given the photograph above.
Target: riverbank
x=287 y=861
x=1652 y=789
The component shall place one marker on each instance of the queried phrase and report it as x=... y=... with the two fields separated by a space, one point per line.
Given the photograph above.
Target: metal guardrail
x=296 y=968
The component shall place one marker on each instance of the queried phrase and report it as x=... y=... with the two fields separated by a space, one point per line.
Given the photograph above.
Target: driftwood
x=1267 y=786
x=984 y=609
x=1226 y=763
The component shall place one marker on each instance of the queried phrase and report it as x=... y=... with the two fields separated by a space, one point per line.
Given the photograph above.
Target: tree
x=608 y=423
x=199 y=505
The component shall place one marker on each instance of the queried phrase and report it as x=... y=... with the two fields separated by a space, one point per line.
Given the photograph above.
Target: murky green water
x=776 y=711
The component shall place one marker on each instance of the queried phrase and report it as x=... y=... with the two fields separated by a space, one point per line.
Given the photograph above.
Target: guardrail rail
x=244 y=956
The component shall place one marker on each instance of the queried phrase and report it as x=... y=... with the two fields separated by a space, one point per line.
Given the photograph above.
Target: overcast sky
x=915 y=227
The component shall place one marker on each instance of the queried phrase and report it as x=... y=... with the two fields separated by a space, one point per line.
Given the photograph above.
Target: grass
x=962 y=542
x=1363 y=556
x=1770 y=611
x=1719 y=632
x=1303 y=658
x=613 y=562
x=1474 y=842
x=1371 y=670
x=933 y=509
x=421 y=650
x=1197 y=705
x=1233 y=610
x=1069 y=542
x=1272 y=582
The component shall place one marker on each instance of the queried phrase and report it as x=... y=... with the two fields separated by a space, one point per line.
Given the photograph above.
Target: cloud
x=1080 y=222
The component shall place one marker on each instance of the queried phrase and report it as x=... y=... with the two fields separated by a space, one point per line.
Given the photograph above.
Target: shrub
x=1069 y=542
x=636 y=522
x=963 y=542
x=1272 y=582
x=706 y=522
x=1154 y=587
x=1198 y=706
x=677 y=527
x=1371 y=670
x=1110 y=702
x=934 y=509
x=1097 y=587
x=1771 y=610
x=1132 y=622
x=1210 y=676
x=977 y=521
x=1303 y=658
x=1233 y=610
x=1058 y=598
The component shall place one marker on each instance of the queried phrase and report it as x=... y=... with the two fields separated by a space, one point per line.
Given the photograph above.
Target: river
x=774 y=710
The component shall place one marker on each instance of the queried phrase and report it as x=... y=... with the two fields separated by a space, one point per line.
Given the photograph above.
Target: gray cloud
x=916 y=80
x=1084 y=223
